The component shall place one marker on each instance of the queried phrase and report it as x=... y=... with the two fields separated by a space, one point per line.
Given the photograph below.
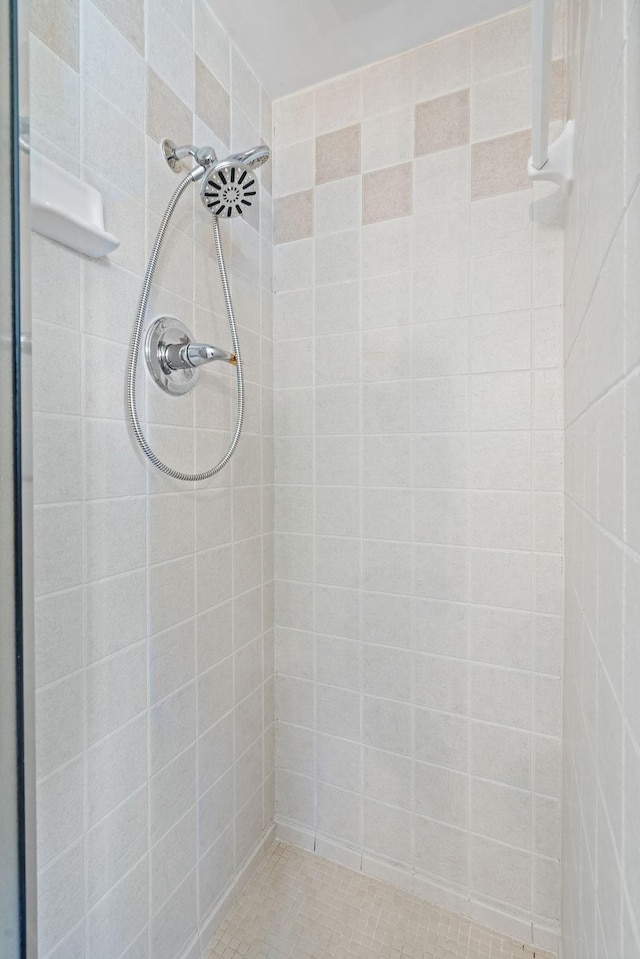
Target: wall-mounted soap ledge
x=65 y=209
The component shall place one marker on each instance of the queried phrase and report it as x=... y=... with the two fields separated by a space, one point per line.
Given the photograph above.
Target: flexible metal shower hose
x=134 y=351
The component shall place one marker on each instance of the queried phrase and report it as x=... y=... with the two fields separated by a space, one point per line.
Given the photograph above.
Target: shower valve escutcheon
x=173 y=358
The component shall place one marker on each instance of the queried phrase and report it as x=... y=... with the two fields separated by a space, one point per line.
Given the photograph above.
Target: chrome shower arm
x=175 y=155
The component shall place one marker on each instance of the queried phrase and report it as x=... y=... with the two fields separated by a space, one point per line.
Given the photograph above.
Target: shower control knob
x=173 y=358
x=197 y=354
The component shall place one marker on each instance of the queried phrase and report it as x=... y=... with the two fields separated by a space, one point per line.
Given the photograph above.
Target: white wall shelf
x=65 y=209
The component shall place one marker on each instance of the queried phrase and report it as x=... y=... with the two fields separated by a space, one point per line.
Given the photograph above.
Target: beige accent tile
x=442 y=124
x=558 y=102
x=166 y=112
x=500 y=165
x=293 y=217
x=128 y=17
x=338 y=154
x=388 y=193
x=55 y=22
x=212 y=102
x=298 y=904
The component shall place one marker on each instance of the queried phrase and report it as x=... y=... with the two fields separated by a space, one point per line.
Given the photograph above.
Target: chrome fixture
x=174 y=155
x=173 y=359
x=228 y=186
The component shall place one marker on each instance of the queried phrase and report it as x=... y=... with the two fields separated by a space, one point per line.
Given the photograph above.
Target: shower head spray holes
x=228 y=188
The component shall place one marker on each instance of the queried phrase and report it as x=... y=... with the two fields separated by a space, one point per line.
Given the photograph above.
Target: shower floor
x=299 y=906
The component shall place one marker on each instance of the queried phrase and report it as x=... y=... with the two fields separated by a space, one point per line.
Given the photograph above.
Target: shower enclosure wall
x=155 y=720
x=411 y=277
x=418 y=378
x=601 y=781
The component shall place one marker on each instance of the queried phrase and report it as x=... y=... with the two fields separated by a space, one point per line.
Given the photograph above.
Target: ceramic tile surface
x=418 y=457
x=154 y=640
x=298 y=906
x=601 y=746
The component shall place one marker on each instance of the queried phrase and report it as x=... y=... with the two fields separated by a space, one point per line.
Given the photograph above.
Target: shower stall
x=319 y=633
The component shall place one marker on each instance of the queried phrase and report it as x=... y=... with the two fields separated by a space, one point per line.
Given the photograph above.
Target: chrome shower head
x=229 y=186
x=253 y=158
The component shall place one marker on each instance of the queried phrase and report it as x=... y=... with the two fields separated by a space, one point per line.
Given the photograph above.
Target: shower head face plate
x=229 y=188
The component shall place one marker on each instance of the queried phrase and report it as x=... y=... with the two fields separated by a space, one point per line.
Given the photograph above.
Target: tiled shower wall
x=418 y=465
x=154 y=601
x=601 y=832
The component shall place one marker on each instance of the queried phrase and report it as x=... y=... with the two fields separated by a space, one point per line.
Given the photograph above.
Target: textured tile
x=212 y=102
x=298 y=905
x=128 y=17
x=293 y=217
x=338 y=154
x=166 y=112
x=443 y=66
x=442 y=124
x=387 y=193
x=55 y=22
x=501 y=46
x=500 y=165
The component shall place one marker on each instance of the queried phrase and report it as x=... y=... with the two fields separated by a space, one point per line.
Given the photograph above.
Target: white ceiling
x=291 y=44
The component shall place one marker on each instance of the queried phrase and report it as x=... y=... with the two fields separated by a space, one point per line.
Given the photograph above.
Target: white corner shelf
x=65 y=209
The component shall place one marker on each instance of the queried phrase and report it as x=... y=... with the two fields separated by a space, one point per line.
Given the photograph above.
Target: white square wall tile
x=60 y=810
x=442 y=572
x=338 y=205
x=441 y=683
x=501 y=283
x=386 y=247
x=293 y=118
x=501 y=578
x=62 y=896
x=294 y=168
x=500 y=342
x=338 y=103
x=500 y=460
x=500 y=872
x=441 y=235
x=338 y=813
x=441 y=405
x=112 y=65
x=386 y=831
x=387 y=85
x=387 y=139
x=501 y=401
x=501 y=224
x=441 y=179
x=443 y=66
x=501 y=105
x=502 y=520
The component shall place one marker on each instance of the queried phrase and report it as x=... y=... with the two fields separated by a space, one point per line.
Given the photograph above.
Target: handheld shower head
x=253 y=158
x=229 y=186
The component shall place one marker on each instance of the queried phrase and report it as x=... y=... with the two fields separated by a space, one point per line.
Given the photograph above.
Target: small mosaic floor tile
x=300 y=906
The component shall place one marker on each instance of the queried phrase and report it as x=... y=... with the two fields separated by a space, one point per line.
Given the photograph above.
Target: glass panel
x=16 y=680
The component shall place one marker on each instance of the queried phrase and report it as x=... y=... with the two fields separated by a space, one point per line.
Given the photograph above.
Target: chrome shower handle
x=190 y=355
x=173 y=359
